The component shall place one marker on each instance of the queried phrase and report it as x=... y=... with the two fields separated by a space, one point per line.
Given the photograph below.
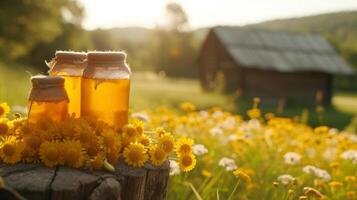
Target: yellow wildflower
x=4 y=126
x=33 y=141
x=113 y=157
x=335 y=165
x=144 y=139
x=135 y=155
x=130 y=131
x=350 y=179
x=51 y=153
x=206 y=173
x=111 y=140
x=160 y=131
x=184 y=146
x=187 y=162
x=352 y=195
x=157 y=155
x=242 y=175
x=138 y=125
x=253 y=113
x=167 y=142
x=73 y=153
x=10 y=150
x=4 y=109
x=335 y=184
x=321 y=129
x=97 y=162
x=188 y=107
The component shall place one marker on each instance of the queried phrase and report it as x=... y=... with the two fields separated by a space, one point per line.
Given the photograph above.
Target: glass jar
x=105 y=88
x=70 y=65
x=48 y=99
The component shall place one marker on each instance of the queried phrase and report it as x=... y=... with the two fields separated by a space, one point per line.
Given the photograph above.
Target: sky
x=203 y=13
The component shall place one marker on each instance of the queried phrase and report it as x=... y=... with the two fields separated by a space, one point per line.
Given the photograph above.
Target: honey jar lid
x=115 y=57
x=47 y=89
x=42 y=81
x=70 y=56
x=67 y=63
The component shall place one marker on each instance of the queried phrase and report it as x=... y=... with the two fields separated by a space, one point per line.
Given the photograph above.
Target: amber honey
x=48 y=99
x=72 y=85
x=107 y=100
x=70 y=66
x=55 y=111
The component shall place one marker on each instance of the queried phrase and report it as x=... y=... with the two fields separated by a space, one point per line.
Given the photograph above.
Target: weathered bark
x=34 y=181
x=157 y=181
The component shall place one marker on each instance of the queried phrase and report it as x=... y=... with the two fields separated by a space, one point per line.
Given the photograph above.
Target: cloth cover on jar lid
x=47 y=89
x=68 y=62
x=107 y=65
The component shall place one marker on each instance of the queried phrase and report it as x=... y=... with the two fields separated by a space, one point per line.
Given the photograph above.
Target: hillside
x=339 y=28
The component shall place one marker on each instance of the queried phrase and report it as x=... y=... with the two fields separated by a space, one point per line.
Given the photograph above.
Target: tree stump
x=36 y=182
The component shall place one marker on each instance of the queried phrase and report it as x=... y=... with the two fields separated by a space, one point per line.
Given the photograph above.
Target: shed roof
x=281 y=51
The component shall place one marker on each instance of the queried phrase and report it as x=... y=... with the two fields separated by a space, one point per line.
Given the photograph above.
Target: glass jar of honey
x=105 y=88
x=48 y=99
x=70 y=65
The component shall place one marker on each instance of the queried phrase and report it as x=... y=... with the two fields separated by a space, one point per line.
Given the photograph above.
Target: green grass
x=149 y=90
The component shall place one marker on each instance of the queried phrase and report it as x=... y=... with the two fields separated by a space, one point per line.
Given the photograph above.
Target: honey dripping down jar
x=106 y=87
x=70 y=66
x=48 y=99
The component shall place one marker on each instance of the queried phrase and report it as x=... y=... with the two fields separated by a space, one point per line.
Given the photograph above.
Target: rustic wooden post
x=157 y=181
x=36 y=182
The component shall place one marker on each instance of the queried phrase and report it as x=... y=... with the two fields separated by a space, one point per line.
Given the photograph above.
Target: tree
x=27 y=23
x=175 y=50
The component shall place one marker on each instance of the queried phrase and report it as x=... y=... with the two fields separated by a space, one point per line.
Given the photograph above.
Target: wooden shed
x=271 y=65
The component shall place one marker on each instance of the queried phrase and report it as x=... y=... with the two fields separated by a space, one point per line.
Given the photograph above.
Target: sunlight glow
x=148 y=13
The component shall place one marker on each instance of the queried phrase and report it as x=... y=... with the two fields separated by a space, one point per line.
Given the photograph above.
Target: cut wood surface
x=34 y=181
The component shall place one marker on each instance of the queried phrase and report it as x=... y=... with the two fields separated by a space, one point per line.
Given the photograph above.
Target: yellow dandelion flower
x=130 y=131
x=51 y=153
x=335 y=184
x=111 y=140
x=167 y=142
x=32 y=141
x=97 y=162
x=135 y=154
x=4 y=109
x=4 y=126
x=157 y=155
x=160 y=131
x=352 y=195
x=321 y=129
x=93 y=148
x=144 y=139
x=10 y=150
x=253 y=113
x=187 y=162
x=242 y=175
x=184 y=146
x=350 y=179
x=85 y=136
x=335 y=165
x=206 y=173
x=188 y=107
x=113 y=157
x=138 y=125
x=73 y=154
x=30 y=155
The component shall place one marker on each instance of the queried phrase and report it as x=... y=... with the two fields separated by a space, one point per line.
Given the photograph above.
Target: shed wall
x=297 y=86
